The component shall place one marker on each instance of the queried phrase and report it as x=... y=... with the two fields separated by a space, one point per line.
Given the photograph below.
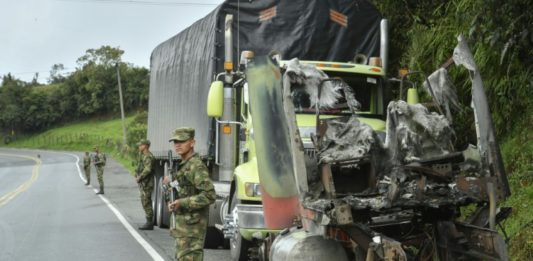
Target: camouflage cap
x=143 y=142
x=182 y=134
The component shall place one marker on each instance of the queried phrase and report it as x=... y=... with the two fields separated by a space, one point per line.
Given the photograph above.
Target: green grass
x=82 y=136
x=517 y=151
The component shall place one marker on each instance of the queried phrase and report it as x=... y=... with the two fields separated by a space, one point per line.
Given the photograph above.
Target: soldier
x=195 y=193
x=99 y=163
x=87 y=167
x=145 y=178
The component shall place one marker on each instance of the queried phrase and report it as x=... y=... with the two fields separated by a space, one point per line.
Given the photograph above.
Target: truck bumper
x=251 y=222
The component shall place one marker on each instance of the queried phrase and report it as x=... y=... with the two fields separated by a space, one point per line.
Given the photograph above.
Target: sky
x=36 y=34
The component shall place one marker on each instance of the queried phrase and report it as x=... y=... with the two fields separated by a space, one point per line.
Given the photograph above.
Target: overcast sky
x=35 y=34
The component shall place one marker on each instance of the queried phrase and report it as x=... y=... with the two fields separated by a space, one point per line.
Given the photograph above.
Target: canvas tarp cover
x=183 y=67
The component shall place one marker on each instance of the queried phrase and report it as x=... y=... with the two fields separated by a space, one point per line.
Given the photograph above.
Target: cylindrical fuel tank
x=300 y=245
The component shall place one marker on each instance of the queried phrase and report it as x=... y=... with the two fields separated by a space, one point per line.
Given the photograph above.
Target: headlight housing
x=252 y=189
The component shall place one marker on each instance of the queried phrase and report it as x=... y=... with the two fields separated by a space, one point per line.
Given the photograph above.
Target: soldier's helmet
x=143 y=142
x=182 y=134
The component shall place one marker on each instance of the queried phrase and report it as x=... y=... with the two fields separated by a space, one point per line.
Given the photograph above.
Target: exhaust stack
x=384 y=44
x=227 y=131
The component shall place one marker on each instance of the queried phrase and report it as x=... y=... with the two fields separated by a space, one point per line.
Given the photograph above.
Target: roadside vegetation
x=78 y=110
x=91 y=91
x=83 y=136
x=423 y=35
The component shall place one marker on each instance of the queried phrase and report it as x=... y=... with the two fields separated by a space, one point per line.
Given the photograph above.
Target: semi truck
x=338 y=36
x=271 y=88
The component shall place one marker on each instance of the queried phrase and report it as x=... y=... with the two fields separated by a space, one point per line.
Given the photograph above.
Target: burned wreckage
x=370 y=195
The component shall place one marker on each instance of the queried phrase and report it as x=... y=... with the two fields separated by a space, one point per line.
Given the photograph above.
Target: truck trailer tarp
x=182 y=68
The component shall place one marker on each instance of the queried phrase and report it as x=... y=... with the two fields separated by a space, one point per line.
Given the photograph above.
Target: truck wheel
x=238 y=245
x=163 y=215
x=213 y=238
x=155 y=200
x=239 y=248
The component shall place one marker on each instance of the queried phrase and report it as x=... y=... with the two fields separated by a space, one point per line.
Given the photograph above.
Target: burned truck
x=340 y=37
x=367 y=196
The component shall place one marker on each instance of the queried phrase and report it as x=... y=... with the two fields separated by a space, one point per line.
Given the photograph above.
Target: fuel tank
x=299 y=245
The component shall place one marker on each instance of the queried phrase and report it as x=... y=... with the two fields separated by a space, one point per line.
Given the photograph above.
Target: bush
x=137 y=129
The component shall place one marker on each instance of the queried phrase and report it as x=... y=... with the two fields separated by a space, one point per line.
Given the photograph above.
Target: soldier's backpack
x=104 y=159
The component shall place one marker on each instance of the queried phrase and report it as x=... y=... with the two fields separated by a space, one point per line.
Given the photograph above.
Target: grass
x=517 y=152
x=82 y=136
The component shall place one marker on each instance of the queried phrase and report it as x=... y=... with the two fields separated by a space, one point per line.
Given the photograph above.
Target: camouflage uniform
x=99 y=163
x=145 y=174
x=87 y=168
x=196 y=192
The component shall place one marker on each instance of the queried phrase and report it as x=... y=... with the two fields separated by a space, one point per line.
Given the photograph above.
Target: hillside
x=82 y=136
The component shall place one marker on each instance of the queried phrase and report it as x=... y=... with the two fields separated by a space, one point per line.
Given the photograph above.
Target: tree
x=106 y=55
x=56 y=74
x=11 y=94
x=91 y=90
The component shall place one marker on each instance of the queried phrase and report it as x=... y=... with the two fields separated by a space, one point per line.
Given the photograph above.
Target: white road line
x=78 y=166
x=149 y=249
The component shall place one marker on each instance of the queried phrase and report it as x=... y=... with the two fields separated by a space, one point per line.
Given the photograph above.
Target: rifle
x=95 y=159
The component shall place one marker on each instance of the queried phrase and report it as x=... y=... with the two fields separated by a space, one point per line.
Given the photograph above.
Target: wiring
x=141 y=2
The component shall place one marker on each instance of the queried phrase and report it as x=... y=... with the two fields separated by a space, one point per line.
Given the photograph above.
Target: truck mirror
x=412 y=96
x=215 y=100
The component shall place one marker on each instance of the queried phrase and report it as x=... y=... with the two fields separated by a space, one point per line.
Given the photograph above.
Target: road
x=46 y=212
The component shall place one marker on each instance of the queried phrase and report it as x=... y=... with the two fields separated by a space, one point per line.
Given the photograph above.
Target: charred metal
x=399 y=198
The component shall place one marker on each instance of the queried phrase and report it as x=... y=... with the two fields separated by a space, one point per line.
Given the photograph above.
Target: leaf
x=506 y=47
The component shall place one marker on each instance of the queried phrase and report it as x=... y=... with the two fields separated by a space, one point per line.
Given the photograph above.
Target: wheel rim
x=159 y=206
x=236 y=241
x=155 y=202
x=235 y=246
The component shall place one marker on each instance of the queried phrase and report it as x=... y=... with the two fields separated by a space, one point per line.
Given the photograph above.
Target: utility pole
x=121 y=104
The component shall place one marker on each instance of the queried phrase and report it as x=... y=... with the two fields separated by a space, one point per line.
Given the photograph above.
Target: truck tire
x=155 y=200
x=213 y=238
x=163 y=215
x=238 y=245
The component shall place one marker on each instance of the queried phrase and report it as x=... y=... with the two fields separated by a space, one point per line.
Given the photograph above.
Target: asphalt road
x=46 y=212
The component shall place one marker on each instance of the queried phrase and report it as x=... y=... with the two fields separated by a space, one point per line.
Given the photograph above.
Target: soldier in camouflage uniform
x=195 y=193
x=87 y=168
x=99 y=163
x=145 y=178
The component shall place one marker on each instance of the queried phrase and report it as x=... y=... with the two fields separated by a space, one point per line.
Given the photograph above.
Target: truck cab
x=242 y=212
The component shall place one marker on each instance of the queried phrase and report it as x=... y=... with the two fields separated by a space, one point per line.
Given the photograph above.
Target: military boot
x=101 y=191
x=149 y=225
